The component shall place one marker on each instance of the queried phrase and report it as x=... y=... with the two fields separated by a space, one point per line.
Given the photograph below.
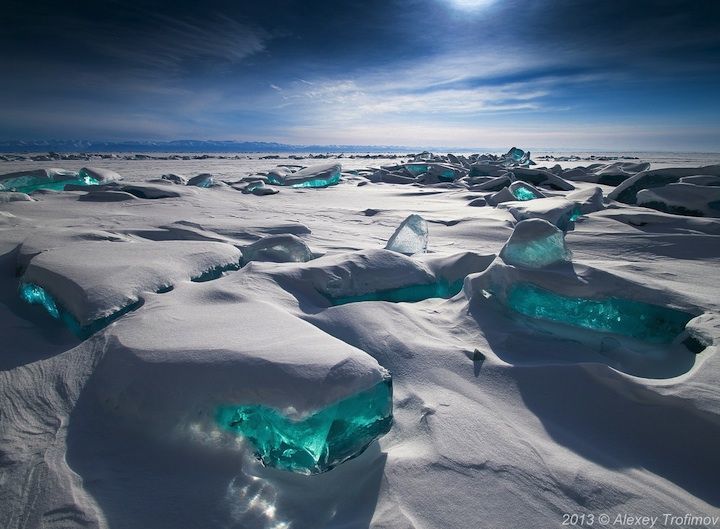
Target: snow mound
x=176 y=366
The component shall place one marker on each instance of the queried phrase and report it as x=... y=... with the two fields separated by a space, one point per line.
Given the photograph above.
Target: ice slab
x=535 y=243
x=642 y=321
x=628 y=190
x=94 y=280
x=318 y=442
x=322 y=175
x=410 y=237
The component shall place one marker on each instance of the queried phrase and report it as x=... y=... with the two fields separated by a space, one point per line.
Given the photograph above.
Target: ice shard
x=410 y=237
x=535 y=243
x=651 y=323
x=524 y=191
x=318 y=442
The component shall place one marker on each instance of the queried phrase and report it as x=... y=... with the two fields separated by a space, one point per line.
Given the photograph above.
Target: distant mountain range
x=209 y=146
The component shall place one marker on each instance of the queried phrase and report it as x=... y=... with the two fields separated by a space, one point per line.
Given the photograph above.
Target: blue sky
x=618 y=75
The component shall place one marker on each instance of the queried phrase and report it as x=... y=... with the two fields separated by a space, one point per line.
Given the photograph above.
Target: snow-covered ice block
x=12 y=196
x=557 y=210
x=102 y=176
x=302 y=399
x=96 y=280
x=535 y=243
x=608 y=174
x=259 y=188
x=201 y=180
x=701 y=180
x=284 y=248
x=542 y=177
x=175 y=178
x=682 y=199
x=322 y=175
x=589 y=200
x=151 y=191
x=524 y=191
x=628 y=190
x=47 y=179
x=410 y=237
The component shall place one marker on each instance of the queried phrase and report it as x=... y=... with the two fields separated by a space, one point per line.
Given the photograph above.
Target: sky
x=575 y=74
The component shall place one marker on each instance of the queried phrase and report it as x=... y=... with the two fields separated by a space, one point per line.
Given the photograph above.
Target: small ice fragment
x=535 y=243
x=410 y=237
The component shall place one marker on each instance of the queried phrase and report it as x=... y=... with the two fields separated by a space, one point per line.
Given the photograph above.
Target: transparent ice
x=410 y=237
x=643 y=321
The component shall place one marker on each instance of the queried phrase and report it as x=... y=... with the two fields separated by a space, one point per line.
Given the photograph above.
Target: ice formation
x=322 y=175
x=286 y=248
x=683 y=198
x=410 y=237
x=627 y=191
x=643 y=321
x=55 y=179
x=556 y=210
x=317 y=442
x=406 y=294
x=96 y=280
x=535 y=243
x=201 y=180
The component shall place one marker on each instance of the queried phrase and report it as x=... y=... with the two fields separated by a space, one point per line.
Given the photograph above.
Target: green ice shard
x=409 y=294
x=318 y=442
x=651 y=323
x=523 y=193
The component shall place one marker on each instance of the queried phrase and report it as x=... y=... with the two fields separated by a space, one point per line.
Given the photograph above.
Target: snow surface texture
x=517 y=397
